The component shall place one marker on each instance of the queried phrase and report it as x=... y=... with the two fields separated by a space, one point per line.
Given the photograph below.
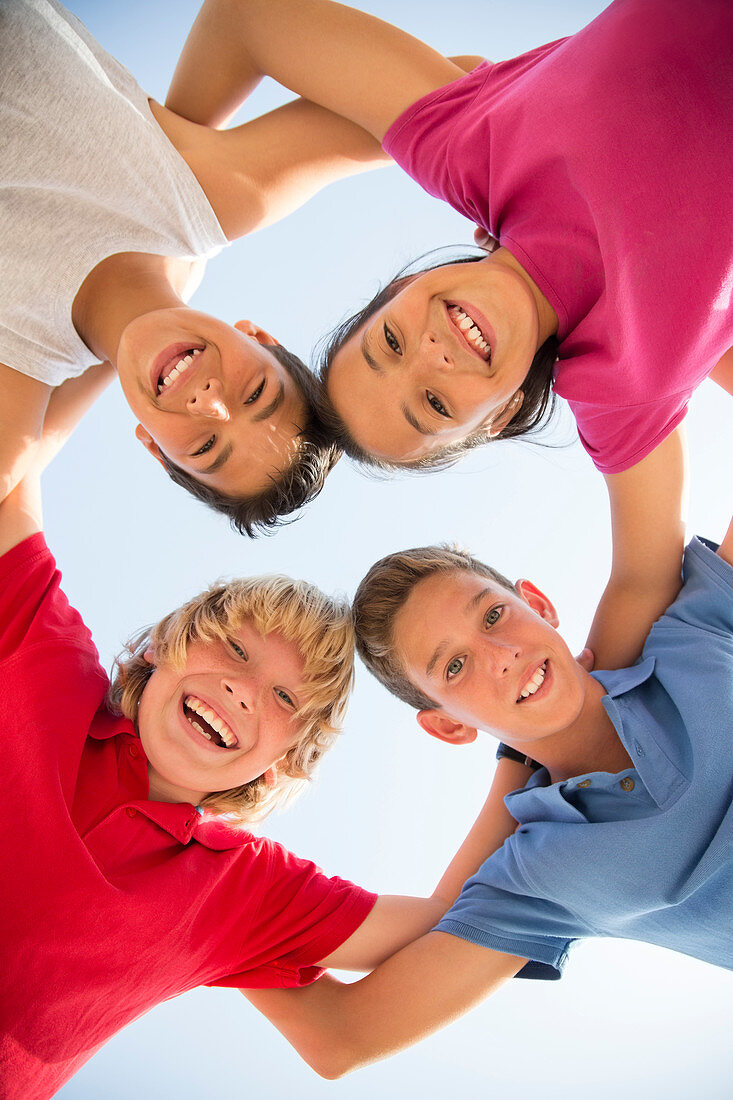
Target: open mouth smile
x=535 y=683
x=172 y=364
x=470 y=331
x=208 y=724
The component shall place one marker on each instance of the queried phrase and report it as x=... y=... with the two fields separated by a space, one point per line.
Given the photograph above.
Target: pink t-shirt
x=604 y=163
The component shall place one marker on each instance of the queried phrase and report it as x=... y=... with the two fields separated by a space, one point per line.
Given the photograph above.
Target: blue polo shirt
x=645 y=854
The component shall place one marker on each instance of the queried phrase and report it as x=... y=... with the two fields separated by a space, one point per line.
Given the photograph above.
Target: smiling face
x=490 y=659
x=225 y=718
x=211 y=397
x=446 y=357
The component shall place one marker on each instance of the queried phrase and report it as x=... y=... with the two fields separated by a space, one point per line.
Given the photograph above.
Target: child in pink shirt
x=585 y=158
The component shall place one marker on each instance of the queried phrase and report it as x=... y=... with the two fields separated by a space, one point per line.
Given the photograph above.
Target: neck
x=547 y=318
x=121 y=288
x=161 y=790
x=589 y=744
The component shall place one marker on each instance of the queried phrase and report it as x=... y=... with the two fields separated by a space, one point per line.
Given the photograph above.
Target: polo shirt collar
x=648 y=742
x=183 y=821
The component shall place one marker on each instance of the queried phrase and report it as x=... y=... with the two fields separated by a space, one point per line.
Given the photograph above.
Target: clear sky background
x=391 y=804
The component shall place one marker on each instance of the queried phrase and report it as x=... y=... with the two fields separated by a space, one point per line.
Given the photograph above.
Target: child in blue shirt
x=625 y=827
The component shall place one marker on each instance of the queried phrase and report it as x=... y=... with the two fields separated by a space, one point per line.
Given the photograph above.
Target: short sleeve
x=617 y=437
x=422 y=141
x=302 y=916
x=706 y=599
x=32 y=606
x=500 y=909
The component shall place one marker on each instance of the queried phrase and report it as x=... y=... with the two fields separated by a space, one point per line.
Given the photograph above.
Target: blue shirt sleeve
x=499 y=908
x=706 y=599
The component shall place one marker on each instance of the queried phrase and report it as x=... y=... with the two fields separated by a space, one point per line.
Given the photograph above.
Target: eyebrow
x=274 y=405
x=371 y=361
x=472 y=604
x=218 y=462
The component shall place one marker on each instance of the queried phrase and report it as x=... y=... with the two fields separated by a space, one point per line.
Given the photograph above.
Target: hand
x=586 y=659
x=483 y=239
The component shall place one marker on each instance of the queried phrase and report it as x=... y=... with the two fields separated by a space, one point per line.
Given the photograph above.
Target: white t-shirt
x=85 y=172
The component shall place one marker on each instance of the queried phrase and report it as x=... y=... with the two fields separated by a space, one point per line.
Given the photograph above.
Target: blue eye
x=392 y=341
x=454 y=667
x=206 y=447
x=285 y=697
x=238 y=650
x=494 y=615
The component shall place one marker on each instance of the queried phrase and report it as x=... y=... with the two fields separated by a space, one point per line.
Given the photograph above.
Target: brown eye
x=437 y=404
x=392 y=341
x=206 y=447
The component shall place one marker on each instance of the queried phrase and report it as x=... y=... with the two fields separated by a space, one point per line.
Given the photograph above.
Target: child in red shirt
x=129 y=873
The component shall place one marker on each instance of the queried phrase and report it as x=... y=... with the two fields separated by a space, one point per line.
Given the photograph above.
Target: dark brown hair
x=293 y=487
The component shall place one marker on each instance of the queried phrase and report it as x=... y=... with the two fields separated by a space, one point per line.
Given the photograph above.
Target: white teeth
x=535 y=683
x=184 y=362
x=470 y=329
x=194 y=704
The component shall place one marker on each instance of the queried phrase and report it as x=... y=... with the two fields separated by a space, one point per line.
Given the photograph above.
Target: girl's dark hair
x=536 y=410
x=293 y=487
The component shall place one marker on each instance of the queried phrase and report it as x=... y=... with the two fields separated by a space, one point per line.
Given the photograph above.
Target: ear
x=441 y=725
x=538 y=601
x=149 y=656
x=149 y=443
x=270 y=776
x=500 y=420
x=257 y=333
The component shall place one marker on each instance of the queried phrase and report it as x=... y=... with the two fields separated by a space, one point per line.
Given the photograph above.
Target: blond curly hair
x=319 y=626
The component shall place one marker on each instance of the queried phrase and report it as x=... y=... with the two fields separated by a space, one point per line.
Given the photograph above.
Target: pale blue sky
x=390 y=804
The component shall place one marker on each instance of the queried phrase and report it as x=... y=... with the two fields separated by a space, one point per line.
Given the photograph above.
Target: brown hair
x=535 y=411
x=384 y=591
x=319 y=625
x=315 y=456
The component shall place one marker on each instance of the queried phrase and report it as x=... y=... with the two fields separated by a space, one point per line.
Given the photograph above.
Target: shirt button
x=130 y=811
x=627 y=783
x=639 y=749
x=133 y=751
x=584 y=783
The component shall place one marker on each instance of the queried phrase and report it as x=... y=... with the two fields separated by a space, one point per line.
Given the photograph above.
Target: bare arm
x=337 y=1028
x=316 y=1020
x=725 y=550
x=647 y=519
x=351 y=63
x=67 y=405
x=24 y=402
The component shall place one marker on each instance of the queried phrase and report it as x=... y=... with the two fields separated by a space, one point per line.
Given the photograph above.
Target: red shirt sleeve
x=33 y=608
x=303 y=916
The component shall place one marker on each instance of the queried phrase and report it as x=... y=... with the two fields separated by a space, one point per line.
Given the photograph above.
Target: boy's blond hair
x=381 y=594
x=320 y=627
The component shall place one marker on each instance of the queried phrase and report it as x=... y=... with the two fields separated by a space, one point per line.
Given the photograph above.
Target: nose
x=207 y=399
x=432 y=351
x=243 y=693
x=501 y=657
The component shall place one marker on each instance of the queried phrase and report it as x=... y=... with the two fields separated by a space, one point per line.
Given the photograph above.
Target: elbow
x=334 y=1063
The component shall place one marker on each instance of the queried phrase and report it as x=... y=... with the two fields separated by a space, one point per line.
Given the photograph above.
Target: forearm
x=648 y=504
x=213 y=76
x=345 y=60
x=491 y=828
x=338 y=1028
x=624 y=617
x=66 y=406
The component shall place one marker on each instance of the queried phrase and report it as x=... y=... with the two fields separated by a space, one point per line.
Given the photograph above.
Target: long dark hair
x=535 y=412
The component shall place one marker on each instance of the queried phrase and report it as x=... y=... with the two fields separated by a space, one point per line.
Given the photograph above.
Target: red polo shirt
x=113 y=903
